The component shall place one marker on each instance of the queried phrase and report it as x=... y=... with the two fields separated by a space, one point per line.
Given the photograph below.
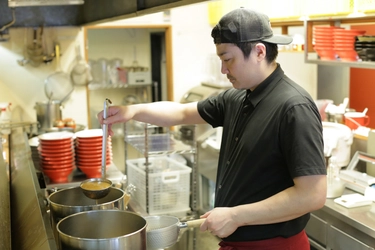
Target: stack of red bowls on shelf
x=57 y=157
x=344 y=43
x=89 y=148
x=323 y=42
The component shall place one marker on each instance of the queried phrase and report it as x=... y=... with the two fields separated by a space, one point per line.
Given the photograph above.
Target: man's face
x=242 y=73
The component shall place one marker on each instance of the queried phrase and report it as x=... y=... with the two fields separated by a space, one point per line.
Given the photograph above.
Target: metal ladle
x=97 y=188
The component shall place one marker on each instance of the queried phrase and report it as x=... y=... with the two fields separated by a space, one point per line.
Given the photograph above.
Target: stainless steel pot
x=70 y=201
x=47 y=112
x=103 y=229
x=163 y=231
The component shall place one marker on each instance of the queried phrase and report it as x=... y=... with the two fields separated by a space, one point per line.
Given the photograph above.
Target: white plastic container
x=338 y=139
x=139 y=77
x=335 y=186
x=168 y=185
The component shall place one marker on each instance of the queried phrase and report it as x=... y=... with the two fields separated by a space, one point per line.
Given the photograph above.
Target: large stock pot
x=70 y=201
x=103 y=229
x=46 y=113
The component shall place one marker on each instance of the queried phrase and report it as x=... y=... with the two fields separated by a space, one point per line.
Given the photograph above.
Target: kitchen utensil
x=46 y=113
x=163 y=230
x=356 y=119
x=80 y=73
x=103 y=229
x=96 y=188
x=70 y=201
x=105 y=135
x=35 y=51
x=128 y=192
x=47 y=55
x=58 y=85
x=24 y=60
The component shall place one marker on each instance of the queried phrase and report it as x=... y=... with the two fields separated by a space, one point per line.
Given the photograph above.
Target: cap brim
x=279 y=39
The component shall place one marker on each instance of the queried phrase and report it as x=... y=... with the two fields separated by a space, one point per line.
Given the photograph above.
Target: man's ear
x=260 y=50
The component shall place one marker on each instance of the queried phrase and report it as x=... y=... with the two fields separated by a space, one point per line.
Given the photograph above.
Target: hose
x=12 y=22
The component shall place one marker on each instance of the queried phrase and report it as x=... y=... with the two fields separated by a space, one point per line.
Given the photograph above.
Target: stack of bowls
x=344 y=40
x=365 y=47
x=323 y=42
x=57 y=157
x=89 y=148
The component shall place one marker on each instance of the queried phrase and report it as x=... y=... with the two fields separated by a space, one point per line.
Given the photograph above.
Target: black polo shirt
x=270 y=136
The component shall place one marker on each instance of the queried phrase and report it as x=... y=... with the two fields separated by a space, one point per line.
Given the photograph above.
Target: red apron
x=295 y=242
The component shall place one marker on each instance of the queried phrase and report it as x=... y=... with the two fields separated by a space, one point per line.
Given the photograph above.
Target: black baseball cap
x=245 y=25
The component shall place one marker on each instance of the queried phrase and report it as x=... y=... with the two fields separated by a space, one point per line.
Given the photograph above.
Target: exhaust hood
x=24 y=3
x=49 y=13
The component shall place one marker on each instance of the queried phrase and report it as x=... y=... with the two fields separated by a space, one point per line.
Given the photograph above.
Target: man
x=271 y=170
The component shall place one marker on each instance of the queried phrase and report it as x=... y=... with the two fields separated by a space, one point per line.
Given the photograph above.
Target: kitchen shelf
x=151 y=140
x=310 y=55
x=358 y=64
x=94 y=86
x=159 y=144
x=284 y=24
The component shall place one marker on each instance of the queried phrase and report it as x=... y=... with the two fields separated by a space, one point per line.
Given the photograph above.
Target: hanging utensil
x=97 y=188
x=58 y=85
x=24 y=60
x=47 y=56
x=35 y=50
x=162 y=231
x=80 y=73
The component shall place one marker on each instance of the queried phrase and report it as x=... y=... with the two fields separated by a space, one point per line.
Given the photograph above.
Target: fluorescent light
x=24 y=3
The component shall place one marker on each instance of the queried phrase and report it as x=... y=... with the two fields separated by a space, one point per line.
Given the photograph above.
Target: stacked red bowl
x=89 y=148
x=323 y=42
x=344 y=41
x=57 y=157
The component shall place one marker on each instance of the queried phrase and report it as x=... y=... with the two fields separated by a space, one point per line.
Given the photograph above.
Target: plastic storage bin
x=168 y=182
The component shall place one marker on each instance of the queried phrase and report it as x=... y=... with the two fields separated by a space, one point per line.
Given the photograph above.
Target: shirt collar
x=264 y=87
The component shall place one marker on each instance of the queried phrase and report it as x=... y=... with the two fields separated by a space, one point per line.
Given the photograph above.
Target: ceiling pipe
x=11 y=23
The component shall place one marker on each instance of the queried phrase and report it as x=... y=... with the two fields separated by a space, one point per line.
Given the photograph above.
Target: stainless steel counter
x=337 y=227
x=30 y=221
x=361 y=218
x=5 y=235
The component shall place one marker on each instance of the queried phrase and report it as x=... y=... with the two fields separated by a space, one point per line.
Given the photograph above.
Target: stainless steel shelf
x=11 y=125
x=94 y=86
x=367 y=65
x=158 y=144
x=152 y=141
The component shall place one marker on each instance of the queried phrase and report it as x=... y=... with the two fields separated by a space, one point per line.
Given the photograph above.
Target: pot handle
x=192 y=223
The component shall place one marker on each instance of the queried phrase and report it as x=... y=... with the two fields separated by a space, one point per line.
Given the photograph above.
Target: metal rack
x=151 y=140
